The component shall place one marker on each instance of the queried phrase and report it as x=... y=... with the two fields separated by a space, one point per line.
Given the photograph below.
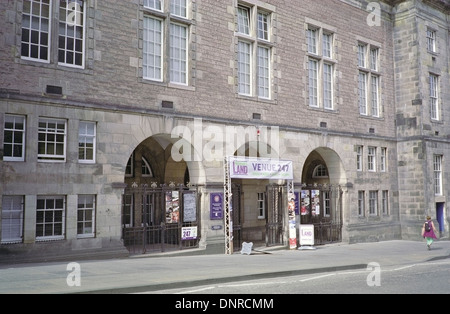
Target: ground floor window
x=50 y=218
x=12 y=219
x=86 y=216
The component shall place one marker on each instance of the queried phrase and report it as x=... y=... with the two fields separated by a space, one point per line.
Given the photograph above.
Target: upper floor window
x=369 y=99
x=371 y=159
x=154 y=41
x=320 y=172
x=437 y=167
x=434 y=96
x=14 y=138
x=52 y=140
x=37 y=35
x=254 y=52
x=86 y=142
x=321 y=67
x=431 y=40
x=359 y=158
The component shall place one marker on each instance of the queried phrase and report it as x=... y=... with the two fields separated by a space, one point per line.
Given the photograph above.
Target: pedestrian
x=429 y=232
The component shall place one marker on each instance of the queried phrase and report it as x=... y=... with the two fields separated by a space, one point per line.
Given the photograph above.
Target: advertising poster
x=188 y=233
x=315 y=199
x=172 y=207
x=189 y=207
x=306 y=235
x=305 y=205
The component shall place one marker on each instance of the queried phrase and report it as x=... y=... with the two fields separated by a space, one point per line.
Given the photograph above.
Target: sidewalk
x=150 y=272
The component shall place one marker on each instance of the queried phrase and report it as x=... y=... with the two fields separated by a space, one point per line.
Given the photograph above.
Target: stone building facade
x=110 y=108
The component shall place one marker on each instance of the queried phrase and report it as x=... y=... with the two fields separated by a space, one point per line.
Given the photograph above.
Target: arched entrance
x=160 y=209
x=320 y=195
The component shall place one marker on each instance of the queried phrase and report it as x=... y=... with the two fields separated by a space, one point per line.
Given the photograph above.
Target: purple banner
x=216 y=206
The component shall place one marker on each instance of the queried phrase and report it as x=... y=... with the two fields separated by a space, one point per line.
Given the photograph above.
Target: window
x=321 y=64
x=371 y=159
x=431 y=40
x=437 y=174
x=361 y=201
x=35 y=43
x=146 y=169
x=86 y=142
x=434 y=97
x=155 y=25
x=373 y=203
x=50 y=218
x=385 y=202
x=359 y=158
x=128 y=210
x=254 y=52
x=129 y=170
x=383 y=159
x=37 y=37
x=327 y=203
x=52 y=140
x=14 y=138
x=261 y=206
x=12 y=219
x=368 y=80
x=86 y=216
x=320 y=172
x=71 y=33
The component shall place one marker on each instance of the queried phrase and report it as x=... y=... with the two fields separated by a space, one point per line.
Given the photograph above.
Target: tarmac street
x=167 y=271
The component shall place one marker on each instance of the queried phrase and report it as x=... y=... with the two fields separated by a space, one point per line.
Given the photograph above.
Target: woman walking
x=429 y=232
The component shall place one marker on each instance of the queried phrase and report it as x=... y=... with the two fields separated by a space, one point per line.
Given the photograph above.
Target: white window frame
x=179 y=54
x=42 y=236
x=261 y=205
x=385 y=202
x=15 y=133
x=86 y=204
x=383 y=159
x=434 y=97
x=153 y=51
x=362 y=93
x=41 y=29
x=179 y=8
x=12 y=219
x=361 y=204
x=373 y=203
x=437 y=169
x=313 y=82
x=369 y=80
x=154 y=4
x=85 y=138
x=359 y=157
x=431 y=40
x=70 y=18
x=372 y=159
x=49 y=132
x=254 y=51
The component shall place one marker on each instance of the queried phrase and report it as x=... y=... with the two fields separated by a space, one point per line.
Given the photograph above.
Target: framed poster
x=189 y=207
x=216 y=206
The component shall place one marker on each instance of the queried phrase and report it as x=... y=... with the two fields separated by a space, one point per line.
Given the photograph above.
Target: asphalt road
x=424 y=278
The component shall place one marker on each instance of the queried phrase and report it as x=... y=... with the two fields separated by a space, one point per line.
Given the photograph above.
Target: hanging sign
x=257 y=168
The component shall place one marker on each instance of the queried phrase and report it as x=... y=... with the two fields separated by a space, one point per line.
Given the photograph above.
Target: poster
x=172 y=207
x=305 y=203
x=315 y=199
x=306 y=235
x=216 y=206
x=189 y=207
x=188 y=233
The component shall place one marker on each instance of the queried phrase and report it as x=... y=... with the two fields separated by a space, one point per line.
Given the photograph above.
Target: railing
x=327 y=232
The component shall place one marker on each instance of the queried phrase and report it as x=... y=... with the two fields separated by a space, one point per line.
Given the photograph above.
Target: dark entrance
x=160 y=219
x=320 y=205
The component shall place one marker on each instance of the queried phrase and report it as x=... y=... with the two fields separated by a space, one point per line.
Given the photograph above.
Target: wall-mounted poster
x=315 y=199
x=189 y=207
x=305 y=203
x=216 y=207
x=172 y=207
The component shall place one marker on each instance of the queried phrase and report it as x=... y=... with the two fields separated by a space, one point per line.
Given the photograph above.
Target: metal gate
x=321 y=206
x=274 y=225
x=159 y=219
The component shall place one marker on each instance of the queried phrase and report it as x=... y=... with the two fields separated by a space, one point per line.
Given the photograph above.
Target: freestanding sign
x=306 y=235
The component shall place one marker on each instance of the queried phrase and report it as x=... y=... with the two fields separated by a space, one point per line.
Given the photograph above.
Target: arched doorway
x=160 y=209
x=320 y=195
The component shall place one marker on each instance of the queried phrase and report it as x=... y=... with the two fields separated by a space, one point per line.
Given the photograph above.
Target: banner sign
x=257 y=168
x=188 y=233
x=216 y=206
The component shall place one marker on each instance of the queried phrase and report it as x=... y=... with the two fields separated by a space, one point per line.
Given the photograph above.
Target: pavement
x=147 y=273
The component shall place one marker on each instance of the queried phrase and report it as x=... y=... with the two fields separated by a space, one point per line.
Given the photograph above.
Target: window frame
x=53 y=221
x=12 y=211
x=46 y=157
x=261 y=205
x=86 y=136
x=373 y=203
x=369 y=80
x=372 y=159
x=438 y=177
x=434 y=97
x=14 y=144
x=431 y=36
x=82 y=207
x=361 y=204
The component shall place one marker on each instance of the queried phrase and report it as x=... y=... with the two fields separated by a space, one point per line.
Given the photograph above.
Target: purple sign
x=216 y=206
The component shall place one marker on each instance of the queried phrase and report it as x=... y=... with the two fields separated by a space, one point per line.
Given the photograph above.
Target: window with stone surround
x=12 y=219
x=50 y=218
x=52 y=135
x=87 y=142
x=431 y=40
x=434 y=97
x=321 y=67
x=160 y=18
x=86 y=216
x=38 y=34
x=254 y=51
x=14 y=138
x=385 y=202
x=437 y=169
x=373 y=203
x=369 y=76
x=361 y=203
